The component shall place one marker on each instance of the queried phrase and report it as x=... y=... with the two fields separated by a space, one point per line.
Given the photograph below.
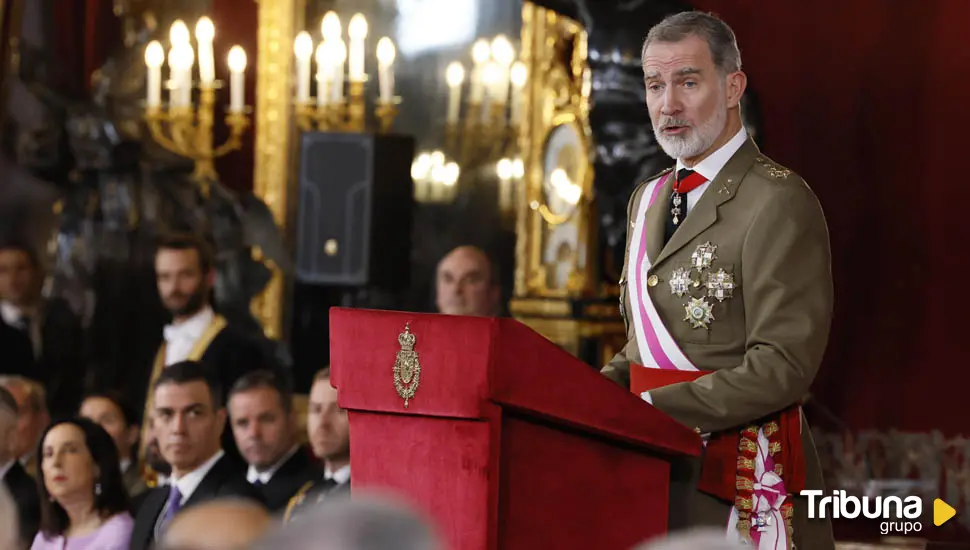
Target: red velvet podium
x=509 y=442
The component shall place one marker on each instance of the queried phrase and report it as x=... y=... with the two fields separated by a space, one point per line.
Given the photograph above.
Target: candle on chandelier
x=154 y=59
x=504 y=55
x=358 y=32
x=385 y=70
x=180 y=70
x=180 y=59
x=205 y=32
x=339 y=56
x=324 y=74
x=237 y=79
x=454 y=76
x=303 y=49
x=480 y=55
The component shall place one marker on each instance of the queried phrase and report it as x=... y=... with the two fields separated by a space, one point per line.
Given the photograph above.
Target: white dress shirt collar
x=11 y=313
x=714 y=163
x=188 y=483
x=253 y=475
x=191 y=328
x=341 y=476
x=4 y=468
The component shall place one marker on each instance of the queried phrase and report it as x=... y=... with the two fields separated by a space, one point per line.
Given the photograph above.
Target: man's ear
x=210 y=278
x=737 y=83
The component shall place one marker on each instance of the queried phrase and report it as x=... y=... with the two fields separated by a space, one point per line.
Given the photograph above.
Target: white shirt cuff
x=646 y=397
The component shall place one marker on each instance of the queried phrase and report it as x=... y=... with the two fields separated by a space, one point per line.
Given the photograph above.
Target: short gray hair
x=698 y=538
x=358 y=523
x=718 y=35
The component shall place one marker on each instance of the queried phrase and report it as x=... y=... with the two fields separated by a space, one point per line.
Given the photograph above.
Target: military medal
x=685 y=181
x=720 y=285
x=703 y=256
x=699 y=313
x=680 y=281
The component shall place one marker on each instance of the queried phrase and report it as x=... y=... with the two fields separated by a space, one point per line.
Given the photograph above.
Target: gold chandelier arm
x=556 y=219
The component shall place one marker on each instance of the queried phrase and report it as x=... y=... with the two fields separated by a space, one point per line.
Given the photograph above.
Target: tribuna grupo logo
x=899 y=513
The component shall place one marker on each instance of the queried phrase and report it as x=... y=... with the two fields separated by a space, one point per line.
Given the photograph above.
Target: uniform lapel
x=655 y=218
x=704 y=213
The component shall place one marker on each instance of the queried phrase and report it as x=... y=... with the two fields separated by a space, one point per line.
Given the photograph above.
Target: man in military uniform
x=328 y=430
x=727 y=293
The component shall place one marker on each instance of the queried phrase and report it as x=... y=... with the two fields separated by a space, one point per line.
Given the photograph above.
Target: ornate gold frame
x=557 y=94
x=273 y=126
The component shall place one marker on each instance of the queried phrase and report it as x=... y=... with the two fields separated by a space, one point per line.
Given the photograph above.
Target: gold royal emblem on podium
x=407 y=368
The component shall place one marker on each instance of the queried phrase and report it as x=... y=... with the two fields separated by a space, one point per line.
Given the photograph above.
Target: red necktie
x=686 y=181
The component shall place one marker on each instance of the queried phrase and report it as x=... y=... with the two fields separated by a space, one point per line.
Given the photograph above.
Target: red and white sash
x=658 y=349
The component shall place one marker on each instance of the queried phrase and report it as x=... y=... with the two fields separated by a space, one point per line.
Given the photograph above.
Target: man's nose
x=672 y=103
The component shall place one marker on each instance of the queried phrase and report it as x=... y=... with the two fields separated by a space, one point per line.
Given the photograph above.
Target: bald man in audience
x=32 y=418
x=369 y=522
x=698 y=538
x=13 y=478
x=9 y=530
x=466 y=283
x=222 y=524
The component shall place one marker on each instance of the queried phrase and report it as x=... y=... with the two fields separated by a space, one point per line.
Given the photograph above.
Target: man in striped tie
x=726 y=294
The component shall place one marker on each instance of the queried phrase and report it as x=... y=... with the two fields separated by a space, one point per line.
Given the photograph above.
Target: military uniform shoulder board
x=774 y=170
x=643 y=184
x=296 y=500
x=657 y=175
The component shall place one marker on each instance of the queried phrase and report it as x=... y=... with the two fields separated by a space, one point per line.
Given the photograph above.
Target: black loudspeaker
x=355 y=204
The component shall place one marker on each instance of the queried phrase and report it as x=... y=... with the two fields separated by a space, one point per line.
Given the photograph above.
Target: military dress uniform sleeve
x=788 y=295
x=618 y=369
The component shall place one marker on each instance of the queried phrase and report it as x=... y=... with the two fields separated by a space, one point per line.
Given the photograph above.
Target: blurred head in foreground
x=222 y=524
x=362 y=523
x=693 y=539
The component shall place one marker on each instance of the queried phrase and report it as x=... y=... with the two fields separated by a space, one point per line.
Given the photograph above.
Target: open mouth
x=674 y=129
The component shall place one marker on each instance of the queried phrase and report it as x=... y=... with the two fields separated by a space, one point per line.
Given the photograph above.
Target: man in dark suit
x=188 y=422
x=22 y=487
x=328 y=430
x=48 y=328
x=185 y=275
x=264 y=425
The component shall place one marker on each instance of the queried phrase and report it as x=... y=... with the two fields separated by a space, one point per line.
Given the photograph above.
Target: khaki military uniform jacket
x=766 y=341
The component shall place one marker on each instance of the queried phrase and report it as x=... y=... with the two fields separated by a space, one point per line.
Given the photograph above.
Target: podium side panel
x=563 y=489
x=438 y=464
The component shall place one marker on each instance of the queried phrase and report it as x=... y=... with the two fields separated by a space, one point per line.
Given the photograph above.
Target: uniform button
x=652 y=280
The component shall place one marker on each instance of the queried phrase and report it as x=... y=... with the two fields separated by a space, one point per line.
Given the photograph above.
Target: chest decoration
x=701 y=283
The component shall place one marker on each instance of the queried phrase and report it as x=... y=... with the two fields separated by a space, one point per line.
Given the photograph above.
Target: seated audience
x=328 y=429
x=467 y=284
x=369 y=523
x=109 y=411
x=31 y=420
x=221 y=524
x=188 y=421
x=21 y=487
x=264 y=425
x=83 y=501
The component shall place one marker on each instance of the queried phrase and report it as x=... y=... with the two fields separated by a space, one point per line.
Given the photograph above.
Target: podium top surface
x=472 y=367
